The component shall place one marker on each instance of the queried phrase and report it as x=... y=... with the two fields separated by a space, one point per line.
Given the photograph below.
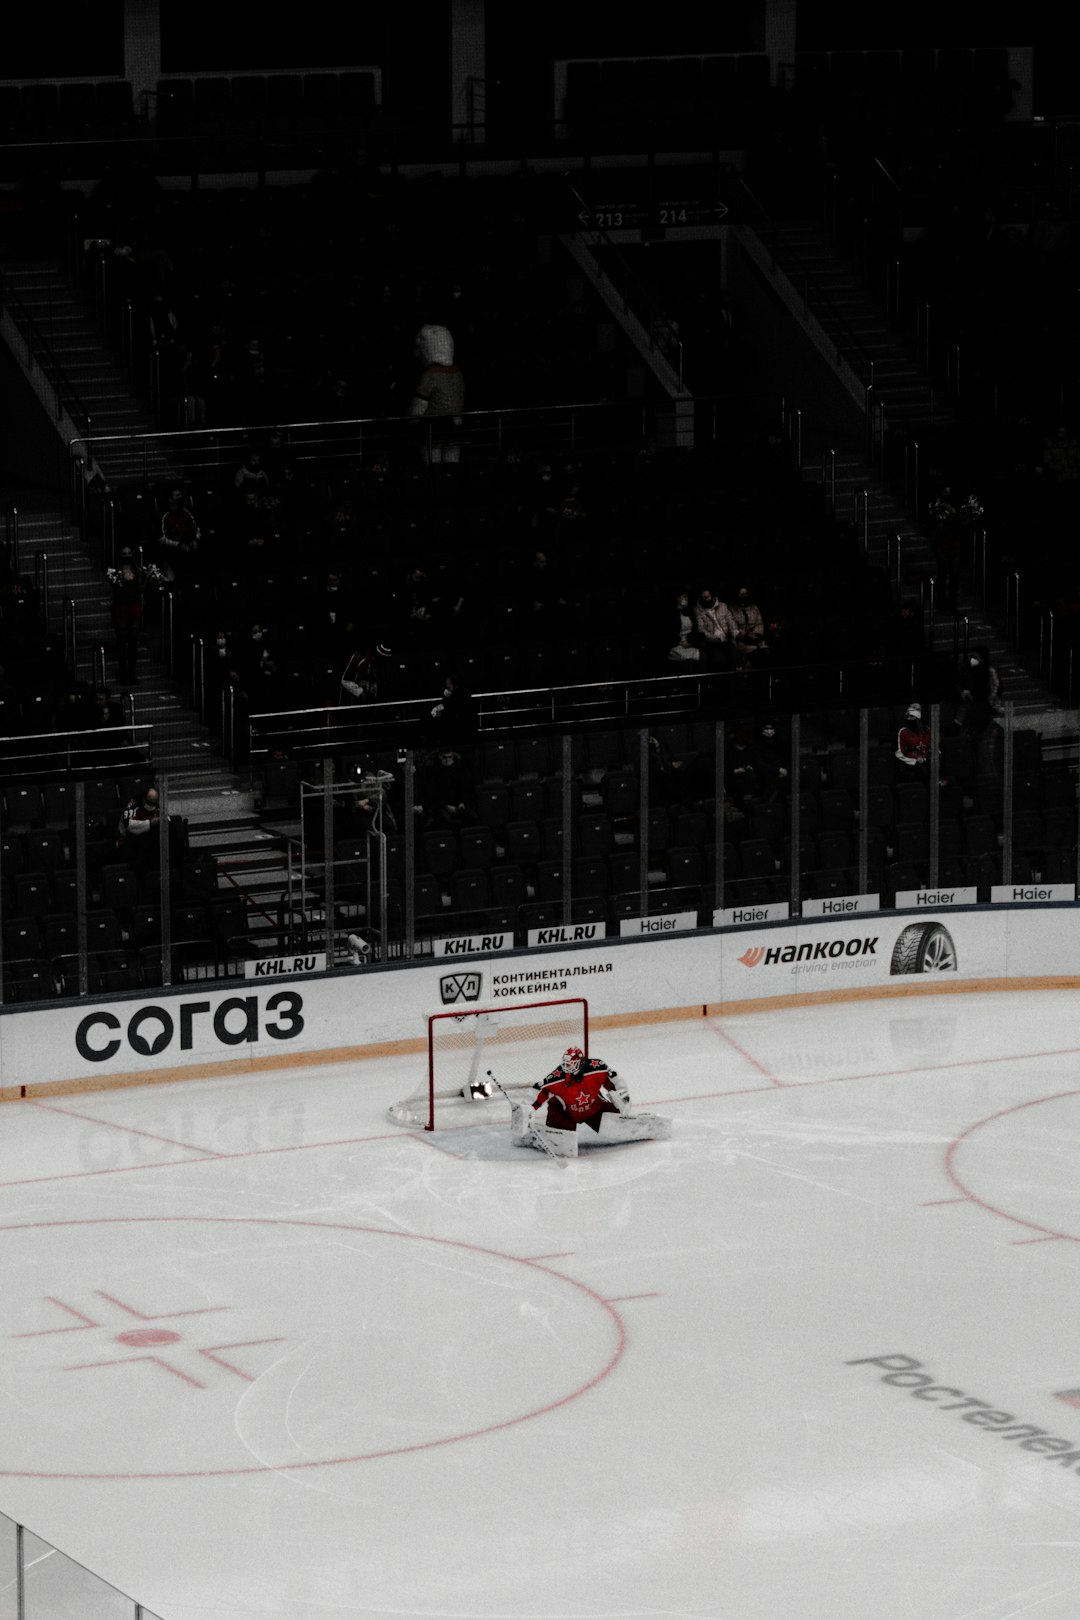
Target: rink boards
x=191 y=1030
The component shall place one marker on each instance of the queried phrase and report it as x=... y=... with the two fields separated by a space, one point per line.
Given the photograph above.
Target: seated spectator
x=332 y=610
x=717 y=629
x=541 y=596
x=76 y=709
x=190 y=405
x=571 y=516
x=253 y=531
x=684 y=655
x=682 y=640
x=1049 y=238
x=421 y=602
x=255 y=664
x=364 y=671
x=178 y=533
x=278 y=463
x=262 y=688
x=665 y=782
x=340 y=532
x=541 y=496
x=106 y=711
x=749 y=627
x=251 y=476
x=252 y=381
x=221 y=661
x=445 y=788
x=453 y=716
x=950 y=536
x=363 y=813
x=979 y=688
x=554 y=503
x=913 y=742
x=771 y=762
x=138 y=830
x=742 y=782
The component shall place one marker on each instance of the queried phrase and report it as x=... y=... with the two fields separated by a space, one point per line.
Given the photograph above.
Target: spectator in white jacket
x=717 y=629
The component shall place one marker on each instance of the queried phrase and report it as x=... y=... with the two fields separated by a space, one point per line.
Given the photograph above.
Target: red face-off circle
x=395 y=1325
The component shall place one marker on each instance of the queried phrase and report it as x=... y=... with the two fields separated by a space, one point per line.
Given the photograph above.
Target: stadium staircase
x=905 y=395
x=215 y=802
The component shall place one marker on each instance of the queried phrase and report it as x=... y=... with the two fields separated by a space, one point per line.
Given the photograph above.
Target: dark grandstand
x=760 y=315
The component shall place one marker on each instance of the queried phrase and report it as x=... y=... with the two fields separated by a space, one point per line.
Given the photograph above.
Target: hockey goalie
x=582 y=1103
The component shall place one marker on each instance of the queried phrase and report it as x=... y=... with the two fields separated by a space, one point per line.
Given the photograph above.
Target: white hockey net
x=519 y=1042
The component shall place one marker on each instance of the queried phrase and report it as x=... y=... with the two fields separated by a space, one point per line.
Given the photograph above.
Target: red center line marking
x=131 y=1130
x=718 y=1029
x=873 y=1074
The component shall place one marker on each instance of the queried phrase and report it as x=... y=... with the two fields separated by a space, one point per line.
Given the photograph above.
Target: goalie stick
x=561 y=1162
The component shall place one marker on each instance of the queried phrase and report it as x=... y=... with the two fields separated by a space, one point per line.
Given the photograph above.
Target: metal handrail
x=66 y=751
x=347 y=439
x=242 y=432
x=628 y=701
x=878 y=167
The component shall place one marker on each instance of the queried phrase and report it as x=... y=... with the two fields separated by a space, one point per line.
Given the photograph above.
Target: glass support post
x=567 y=824
x=163 y=871
x=643 y=820
x=864 y=800
x=1007 y=797
x=81 y=887
x=328 y=857
x=410 y=855
x=718 y=761
x=796 y=818
x=935 y=789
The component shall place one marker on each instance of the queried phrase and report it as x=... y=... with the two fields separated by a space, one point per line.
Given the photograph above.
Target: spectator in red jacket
x=913 y=742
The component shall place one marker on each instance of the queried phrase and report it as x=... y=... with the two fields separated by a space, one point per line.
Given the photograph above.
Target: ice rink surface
x=816 y=1357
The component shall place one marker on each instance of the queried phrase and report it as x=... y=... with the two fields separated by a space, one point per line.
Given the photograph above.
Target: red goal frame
x=461 y=1014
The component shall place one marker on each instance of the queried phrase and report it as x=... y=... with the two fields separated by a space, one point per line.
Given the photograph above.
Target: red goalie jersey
x=580 y=1094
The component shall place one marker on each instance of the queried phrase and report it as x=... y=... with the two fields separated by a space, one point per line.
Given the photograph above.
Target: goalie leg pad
x=520 y=1123
x=630 y=1128
x=564 y=1144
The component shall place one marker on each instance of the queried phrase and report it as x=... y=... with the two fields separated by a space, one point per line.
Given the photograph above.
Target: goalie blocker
x=582 y=1103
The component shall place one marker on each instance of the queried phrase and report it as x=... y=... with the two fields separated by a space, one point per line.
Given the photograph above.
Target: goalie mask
x=572 y=1059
